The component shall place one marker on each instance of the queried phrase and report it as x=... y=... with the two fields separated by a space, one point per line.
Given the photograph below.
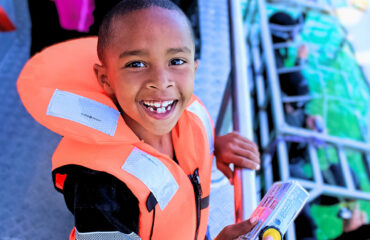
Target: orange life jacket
x=59 y=89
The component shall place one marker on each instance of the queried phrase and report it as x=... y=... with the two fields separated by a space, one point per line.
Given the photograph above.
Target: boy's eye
x=177 y=61
x=136 y=64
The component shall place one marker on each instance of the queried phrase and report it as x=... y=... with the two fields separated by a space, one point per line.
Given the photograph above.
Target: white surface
x=357 y=23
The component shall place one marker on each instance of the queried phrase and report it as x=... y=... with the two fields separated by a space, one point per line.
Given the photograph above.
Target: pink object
x=75 y=14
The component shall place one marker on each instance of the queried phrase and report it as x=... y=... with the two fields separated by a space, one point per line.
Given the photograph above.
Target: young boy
x=155 y=183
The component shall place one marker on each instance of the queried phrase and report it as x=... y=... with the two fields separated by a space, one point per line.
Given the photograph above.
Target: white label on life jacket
x=84 y=111
x=201 y=112
x=153 y=173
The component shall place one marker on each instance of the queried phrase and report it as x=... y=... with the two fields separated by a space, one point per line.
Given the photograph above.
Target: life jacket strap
x=204 y=202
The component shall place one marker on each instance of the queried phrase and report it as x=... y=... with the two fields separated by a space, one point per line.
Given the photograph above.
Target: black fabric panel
x=99 y=201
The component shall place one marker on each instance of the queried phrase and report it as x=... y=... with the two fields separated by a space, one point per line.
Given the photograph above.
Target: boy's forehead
x=144 y=23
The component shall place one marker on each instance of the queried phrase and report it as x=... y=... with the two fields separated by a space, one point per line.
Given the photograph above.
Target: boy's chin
x=161 y=131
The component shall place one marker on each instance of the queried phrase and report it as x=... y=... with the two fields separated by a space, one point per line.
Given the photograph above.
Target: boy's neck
x=162 y=143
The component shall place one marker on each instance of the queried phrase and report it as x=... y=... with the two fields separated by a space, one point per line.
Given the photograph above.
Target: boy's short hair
x=127 y=6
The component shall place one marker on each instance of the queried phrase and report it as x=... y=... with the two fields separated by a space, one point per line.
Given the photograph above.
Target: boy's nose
x=159 y=79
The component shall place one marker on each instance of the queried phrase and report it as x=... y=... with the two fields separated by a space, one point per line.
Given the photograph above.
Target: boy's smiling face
x=149 y=68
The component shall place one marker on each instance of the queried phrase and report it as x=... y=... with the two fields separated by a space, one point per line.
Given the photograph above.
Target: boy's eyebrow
x=145 y=53
x=133 y=53
x=178 y=50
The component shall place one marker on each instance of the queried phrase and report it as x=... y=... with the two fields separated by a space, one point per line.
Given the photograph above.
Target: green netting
x=333 y=73
x=329 y=225
x=340 y=95
x=355 y=162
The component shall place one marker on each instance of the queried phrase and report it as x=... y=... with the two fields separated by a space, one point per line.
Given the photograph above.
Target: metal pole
x=345 y=169
x=312 y=135
x=270 y=67
x=334 y=191
x=325 y=8
x=244 y=180
x=225 y=101
x=317 y=176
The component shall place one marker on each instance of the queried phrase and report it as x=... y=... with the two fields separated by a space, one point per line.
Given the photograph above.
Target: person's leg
x=191 y=9
x=46 y=29
x=305 y=226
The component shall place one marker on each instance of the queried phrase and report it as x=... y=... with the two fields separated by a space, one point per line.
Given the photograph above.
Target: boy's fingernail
x=258 y=167
x=254 y=219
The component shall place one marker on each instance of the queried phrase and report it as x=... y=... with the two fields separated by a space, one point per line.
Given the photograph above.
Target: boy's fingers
x=364 y=217
x=243 y=227
x=247 y=154
x=235 y=230
x=243 y=162
x=244 y=140
x=250 y=146
x=226 y=170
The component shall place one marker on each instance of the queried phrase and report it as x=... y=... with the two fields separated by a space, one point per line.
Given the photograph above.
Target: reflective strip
x=201 y=112
x=84 y=111
x=153 y=173
x=106 y=236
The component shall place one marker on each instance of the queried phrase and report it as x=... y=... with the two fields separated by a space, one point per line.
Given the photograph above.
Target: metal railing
x=254 y=72
x=283 y=130
x=237 y=93
x=274 y=134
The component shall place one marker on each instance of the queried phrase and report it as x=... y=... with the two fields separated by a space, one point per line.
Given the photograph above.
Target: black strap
x=204 y=202
x=151 y=202
x=151 y=230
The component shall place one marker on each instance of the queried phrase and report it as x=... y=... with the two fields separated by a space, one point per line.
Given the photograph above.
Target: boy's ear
x=101 y=76
x=196 y=62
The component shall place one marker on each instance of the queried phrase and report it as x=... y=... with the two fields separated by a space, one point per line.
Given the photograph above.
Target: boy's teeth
x=166 y=106
x=161 y=110
x=166 y=103
x=158 y=104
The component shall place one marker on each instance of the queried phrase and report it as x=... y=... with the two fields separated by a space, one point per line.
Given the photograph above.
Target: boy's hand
x=233 y=231
x=357 y=220
x=233 y=148
x=303 y=51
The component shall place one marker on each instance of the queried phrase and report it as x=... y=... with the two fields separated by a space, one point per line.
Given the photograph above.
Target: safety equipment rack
x=262 y=81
